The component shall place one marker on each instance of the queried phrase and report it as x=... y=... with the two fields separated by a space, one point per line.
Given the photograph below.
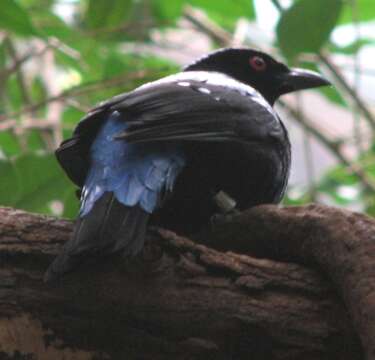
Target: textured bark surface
x=309 y=293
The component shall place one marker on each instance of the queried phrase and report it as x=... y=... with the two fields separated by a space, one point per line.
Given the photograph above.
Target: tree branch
x=183 y=300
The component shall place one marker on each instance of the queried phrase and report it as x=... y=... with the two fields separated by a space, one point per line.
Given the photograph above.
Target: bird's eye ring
x=258 y=63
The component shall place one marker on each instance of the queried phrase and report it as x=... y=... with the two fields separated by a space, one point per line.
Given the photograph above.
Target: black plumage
x=215 y=118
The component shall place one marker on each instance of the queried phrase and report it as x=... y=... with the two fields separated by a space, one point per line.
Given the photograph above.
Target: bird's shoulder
x=183 y=98
x=188 y=89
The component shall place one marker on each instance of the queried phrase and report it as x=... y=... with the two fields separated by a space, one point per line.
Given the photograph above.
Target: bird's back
x=165 y=150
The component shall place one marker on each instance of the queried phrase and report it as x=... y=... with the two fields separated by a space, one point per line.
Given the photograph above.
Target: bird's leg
x=226 y=206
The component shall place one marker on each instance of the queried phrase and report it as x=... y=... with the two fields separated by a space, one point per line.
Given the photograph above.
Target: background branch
x=351 y=92
x=333 y=146
x=79 y=91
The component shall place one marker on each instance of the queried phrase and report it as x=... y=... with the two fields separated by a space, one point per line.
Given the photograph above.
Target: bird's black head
x=259 y=70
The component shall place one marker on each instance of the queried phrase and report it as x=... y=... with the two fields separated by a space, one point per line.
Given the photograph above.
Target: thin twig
x=54 y=110
x=79 y=91
x=8 y=125
x=357 y=79
x=32 y=53
x=334 y=147
x=205 y=25
x=129 y=28
x=21 y=85
x=19 y=73
x=58 y=45
x=4 y=73
x=277 y=5
x=28 y=124
x=309 y=160
x=351 y=92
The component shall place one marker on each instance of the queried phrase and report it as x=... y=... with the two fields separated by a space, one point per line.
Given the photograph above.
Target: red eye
x=258 y=63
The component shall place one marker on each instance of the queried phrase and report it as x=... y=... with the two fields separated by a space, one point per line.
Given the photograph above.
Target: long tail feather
x=110 y=227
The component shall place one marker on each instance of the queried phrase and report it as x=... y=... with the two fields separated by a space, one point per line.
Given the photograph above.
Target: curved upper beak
x=300 y=79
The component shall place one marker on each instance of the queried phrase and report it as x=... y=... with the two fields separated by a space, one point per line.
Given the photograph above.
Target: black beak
x=300 y=79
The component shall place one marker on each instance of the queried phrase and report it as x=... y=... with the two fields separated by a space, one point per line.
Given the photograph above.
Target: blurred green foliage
x=90 y=64
x=306 y=15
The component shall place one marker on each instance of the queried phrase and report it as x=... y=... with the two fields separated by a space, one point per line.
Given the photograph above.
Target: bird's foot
x=227 y=206
x=222 y=218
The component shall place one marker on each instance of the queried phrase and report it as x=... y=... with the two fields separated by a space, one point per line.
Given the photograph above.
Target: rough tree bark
x=281 y=283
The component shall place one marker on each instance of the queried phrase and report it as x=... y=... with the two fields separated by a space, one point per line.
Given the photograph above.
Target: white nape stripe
x=204 y=90
x=211 y=78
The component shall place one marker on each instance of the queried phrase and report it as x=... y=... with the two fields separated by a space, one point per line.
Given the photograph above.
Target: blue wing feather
x=135 y=173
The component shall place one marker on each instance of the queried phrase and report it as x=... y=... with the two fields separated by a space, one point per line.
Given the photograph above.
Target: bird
x=176 y=151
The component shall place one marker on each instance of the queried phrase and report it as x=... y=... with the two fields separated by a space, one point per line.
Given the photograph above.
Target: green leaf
x=36 y=3
x=333 y=95
x=307 y=25
x=365 y=11
x=330 y=92
x=167 y=11
x=9 y=144
x=339 y=175
x=35 y=141
x=50 y=24
x=224 y=12
x=107 y=13
x=71 y=116
x=9 y=183
x=38 y=90
x=303 y=197
x=370 y=205
x=14 y=17
x=13 y=92
x=71 y=204
x=3 y=55
x=31 y=182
